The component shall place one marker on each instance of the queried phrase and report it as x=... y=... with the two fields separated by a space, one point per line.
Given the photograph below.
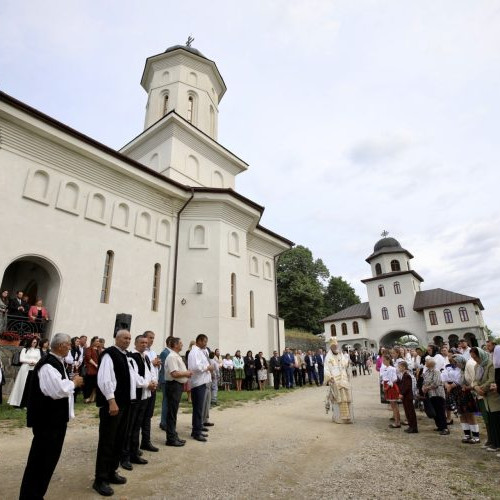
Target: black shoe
x=200 y=437
x=174 y=443
x=139 y=453
x=411 y=431
x=103 y=488
x=115 y=478
x=444 y=432
x=126 y=465
x=208 y=424
x=181 y=440
x=149 y=447
x=163 y=427
x=204 y=429
x=138 y=460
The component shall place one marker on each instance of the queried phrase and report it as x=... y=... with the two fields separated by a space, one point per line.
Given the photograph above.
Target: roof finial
x=190 y=40
x=385 y=233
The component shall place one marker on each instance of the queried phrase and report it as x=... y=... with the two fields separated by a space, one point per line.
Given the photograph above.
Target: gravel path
x=279 y=448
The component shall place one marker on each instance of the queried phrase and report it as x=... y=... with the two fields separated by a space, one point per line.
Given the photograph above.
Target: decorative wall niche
x=268 y=273
x=233 y=244
x=37 y=186
x=121 y=217
x=198 y=236
x=143 y=225
x=68 y=198
x=163 y=232
x=96 y=208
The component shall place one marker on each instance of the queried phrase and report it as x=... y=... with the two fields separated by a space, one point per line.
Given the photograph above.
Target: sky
x=355 y=116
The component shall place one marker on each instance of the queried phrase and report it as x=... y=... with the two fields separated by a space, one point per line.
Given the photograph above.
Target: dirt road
x=275 y=449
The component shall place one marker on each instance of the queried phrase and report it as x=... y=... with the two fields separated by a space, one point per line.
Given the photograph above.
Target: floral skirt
x=465 y=401
x=391 y=393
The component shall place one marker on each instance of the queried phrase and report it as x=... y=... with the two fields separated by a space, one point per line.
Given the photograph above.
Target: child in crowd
x=407 y=395
x=391 y=389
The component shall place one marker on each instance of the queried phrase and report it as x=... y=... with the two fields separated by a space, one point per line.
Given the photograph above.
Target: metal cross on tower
x=190 y=40
x=385 y=233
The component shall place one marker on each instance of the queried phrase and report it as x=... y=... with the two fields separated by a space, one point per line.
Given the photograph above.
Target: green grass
x=11 y=418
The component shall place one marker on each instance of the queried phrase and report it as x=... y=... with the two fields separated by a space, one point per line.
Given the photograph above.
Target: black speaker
x=123 y=322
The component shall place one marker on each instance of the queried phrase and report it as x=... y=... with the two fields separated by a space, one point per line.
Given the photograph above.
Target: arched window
x=433 y=319
x=156 y=287
x=378 y=269
x=333 y=330
x=254 y=266
x=397 y=287
x=165 y=105
x=190 y=109
x=385 y=313
x=267 y=271
x=234 y=243
x=395 y=265
x=344 y=328
x=464 y=316
x=448 y=317
x=381 y=291
x=106 y=278
x=252 y=312
x=233 y=295
x=355 y=327
x=401 y=311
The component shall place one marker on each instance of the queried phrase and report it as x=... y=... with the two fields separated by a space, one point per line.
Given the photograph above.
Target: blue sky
x=355 y=116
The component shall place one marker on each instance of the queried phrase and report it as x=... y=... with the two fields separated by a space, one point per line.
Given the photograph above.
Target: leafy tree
x=338 y=295
x=300 y=289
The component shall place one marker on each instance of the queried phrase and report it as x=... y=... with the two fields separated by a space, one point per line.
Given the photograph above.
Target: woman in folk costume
x=391 y=389
x=338 y=379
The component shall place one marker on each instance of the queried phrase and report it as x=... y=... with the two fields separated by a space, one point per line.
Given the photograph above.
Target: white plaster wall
x=474 y=320
x=77 y=247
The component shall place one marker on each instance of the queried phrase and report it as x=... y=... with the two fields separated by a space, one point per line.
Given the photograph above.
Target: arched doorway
x=37 y=277
x=471 y=338
x=399 y=337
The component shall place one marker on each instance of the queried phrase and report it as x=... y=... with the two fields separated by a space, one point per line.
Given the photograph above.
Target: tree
x=338 y=295
x=300 y=289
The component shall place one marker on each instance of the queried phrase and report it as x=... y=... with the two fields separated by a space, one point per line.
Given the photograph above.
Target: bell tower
x=183 y=80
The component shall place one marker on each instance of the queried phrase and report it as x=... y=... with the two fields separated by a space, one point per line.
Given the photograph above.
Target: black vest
x=43 y=410
x=141 y=369
x=122 y=374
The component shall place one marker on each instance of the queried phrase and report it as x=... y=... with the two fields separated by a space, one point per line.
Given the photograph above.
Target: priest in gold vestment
x=338 y=379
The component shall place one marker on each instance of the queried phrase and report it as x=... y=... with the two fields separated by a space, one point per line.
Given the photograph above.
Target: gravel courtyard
x=278 y=448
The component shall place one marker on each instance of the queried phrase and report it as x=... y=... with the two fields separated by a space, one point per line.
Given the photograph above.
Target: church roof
x=438 y=297
x=387 y=245
x=356 y=311
x=392 y=275
x=19 y=105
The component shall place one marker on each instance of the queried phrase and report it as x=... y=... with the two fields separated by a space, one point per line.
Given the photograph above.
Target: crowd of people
x=461 y=382
x=18 y=313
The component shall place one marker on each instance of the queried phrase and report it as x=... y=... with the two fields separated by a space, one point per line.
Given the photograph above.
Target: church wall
x=44 y=220
x=474 y=319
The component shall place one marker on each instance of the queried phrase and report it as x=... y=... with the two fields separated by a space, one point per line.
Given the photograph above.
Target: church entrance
x=37 y=278
x=398 y=337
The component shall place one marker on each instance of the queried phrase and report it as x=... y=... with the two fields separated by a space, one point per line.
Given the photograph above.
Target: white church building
x=397 y=307
x=155 y=231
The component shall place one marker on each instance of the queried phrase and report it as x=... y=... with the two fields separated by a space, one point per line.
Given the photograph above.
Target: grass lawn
x=11 y=417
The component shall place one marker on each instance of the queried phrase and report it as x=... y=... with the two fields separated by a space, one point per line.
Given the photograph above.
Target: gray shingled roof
x=356 y=311
x=438 y=297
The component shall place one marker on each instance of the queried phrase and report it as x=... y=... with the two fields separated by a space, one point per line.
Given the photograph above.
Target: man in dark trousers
x=144 y=385
x=310 y=360
x=50 y=406
x=320 y=361
x=115 y=381
x=275 y=366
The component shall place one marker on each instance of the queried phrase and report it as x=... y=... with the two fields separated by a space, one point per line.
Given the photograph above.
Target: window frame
x=448 y=316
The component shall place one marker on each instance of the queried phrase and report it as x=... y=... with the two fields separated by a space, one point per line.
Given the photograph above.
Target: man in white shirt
x=176 y=375
x=148 y=414
x=144 y=384
x=201 y=370
x=464 y=348
x=116 y=388
x=50 y=407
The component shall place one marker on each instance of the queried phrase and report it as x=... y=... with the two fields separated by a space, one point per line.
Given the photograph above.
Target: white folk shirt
x=198 y=364
x=55 y=387
x=152 y=356
x=142 y=382
x=106 y=378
